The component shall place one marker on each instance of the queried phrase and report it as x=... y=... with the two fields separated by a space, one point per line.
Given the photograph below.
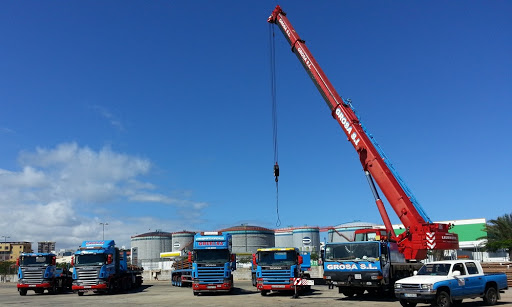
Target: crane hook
x=276 y=171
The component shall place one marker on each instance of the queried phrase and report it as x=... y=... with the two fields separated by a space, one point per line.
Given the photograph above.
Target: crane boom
x=421 y=234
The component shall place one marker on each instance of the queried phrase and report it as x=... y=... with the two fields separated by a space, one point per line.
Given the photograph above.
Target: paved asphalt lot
x=160 y=293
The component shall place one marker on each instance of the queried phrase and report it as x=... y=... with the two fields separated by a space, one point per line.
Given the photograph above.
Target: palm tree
x=499 y=234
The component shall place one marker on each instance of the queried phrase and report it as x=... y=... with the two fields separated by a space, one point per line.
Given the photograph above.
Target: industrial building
x=46 y=247
x=10 y=251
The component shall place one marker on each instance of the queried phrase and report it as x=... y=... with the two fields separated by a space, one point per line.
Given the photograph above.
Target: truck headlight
x=398 y=286
x=426 y=287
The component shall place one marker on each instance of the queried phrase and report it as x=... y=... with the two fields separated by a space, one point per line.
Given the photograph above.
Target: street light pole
x=103 y=224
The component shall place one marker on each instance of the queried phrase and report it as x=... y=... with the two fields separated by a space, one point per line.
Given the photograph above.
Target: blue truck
x=282 y=269
x=38 y=272
x=100 y=266
x=444 y=283
x=373 y=266
x=209 y=266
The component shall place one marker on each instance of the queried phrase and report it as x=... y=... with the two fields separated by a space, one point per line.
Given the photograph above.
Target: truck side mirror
x=18 y=262
x=72 y=261
x=300 y=260
x=109 y=258
x=233 y=257
x=456 y=273
x=54 y=260
x=254 y=259
x=190 y=257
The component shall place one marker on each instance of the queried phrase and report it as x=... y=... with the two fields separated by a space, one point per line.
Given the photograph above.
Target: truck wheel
x=406 y=303
x=80 y=293
x=263 y=292
x=348 y=292
x=23 y=292
x=443 y=299
x=196 y=293
x=253 y=280
x=491 y=296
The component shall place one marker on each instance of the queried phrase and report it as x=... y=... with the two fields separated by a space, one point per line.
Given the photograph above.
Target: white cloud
x=59 y=192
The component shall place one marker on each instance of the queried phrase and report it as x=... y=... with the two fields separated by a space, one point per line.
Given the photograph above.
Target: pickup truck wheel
x=443 y=299
x=406 y=303
x=491 y=296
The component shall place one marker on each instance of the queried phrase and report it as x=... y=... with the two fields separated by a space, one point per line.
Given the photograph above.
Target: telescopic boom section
x=420 y=235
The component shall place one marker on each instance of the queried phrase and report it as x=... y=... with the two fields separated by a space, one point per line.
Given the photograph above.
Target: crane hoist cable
x=274 y=114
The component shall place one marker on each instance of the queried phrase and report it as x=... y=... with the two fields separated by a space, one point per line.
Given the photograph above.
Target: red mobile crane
x=421 y=234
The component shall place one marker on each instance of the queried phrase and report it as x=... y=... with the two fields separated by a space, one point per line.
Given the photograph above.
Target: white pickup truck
x=444 y=283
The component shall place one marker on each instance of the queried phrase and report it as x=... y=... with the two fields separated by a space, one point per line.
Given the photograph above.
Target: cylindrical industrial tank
x=345 y=232
x=307 y=239
x=182 y=241
x=284 y=237
x=247 y=239
x=150 y=245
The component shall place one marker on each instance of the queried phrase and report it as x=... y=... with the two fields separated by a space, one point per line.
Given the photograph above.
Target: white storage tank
x=284 y=237
x=247 y=239
x=182 y=240
x=149 y=245
x=307 y=239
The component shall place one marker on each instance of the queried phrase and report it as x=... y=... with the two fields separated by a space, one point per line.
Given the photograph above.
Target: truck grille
x=87 y=276
x=33 y=276
x=411 y=286
x=210 y=275
x=275 y=277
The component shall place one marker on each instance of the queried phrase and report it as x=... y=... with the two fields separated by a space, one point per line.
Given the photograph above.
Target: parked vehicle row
x=98 y=266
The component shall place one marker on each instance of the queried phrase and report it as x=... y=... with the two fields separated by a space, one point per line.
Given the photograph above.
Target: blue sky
x=157 y=115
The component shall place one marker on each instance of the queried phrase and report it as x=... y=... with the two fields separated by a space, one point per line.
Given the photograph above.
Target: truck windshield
x=35 y=260
x=352 y=251
x=277 y=257
x=441 y=269
x=212 y=255
x=90 y=259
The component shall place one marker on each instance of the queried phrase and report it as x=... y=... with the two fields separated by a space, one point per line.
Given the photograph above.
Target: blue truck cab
x=213 y=262
x=38 y=272
x=281 y=269
x=100 y=266
x=373 y=266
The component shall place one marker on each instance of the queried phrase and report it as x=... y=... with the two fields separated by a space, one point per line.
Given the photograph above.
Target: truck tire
x=490 y=296
x=263 y=292
x=23 y=292
x=80 y=293
x=253 y=280
x=406 y=303
x=443 y=299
